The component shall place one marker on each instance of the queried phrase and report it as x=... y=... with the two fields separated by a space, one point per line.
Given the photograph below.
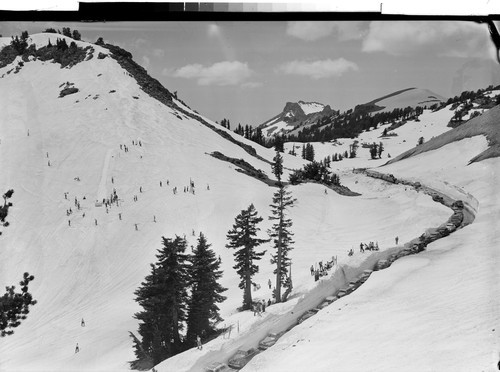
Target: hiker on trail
x=208 y=186
x=140 y=143
x=120 y=216
x=154 y=218
x=112 y=180
x=83 y=323
x=121 y=147
x=268 y=302
x=312 y=270
x=361 y=248
x=397 y=239
x=160 y=184
x=193 y=232
x=140 y=188
x=77 y=349
x=47 y=154
x=326 y=192
x=320 y=265
x=168 y=182
x=48 y=163
x=69 y=223
x=83 y=215
x=269 y=283
x=95 y=220
x=135 y=226
x=198 y=342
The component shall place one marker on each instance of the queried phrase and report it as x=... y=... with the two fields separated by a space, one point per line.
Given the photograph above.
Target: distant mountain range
x=299 y=115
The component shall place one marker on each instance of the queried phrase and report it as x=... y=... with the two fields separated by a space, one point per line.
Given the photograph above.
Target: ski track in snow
x=101 y=191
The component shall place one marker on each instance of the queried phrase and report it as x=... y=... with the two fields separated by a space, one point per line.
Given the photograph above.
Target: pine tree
x=14 y=307
x=163 y=296
x=281 y=237
x=277 y=166
x=373 y=150
x=380 y=150
x=203 y=312
x=243 y=238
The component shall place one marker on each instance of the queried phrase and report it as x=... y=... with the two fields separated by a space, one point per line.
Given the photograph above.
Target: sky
x=247 y=71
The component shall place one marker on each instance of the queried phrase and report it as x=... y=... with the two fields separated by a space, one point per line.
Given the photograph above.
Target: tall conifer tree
x=243 y=238
x=163 y=296
x=203 y=312
x=281 y=236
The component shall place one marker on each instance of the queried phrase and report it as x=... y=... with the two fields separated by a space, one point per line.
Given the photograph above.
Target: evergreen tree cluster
x=180 y=292
x=308 y=152
x=66 y=31
x=351 y=123
x=315 y=171
x=66 y=55
x=376 y=150
x=254 y=135
x=225 y=123
x=14 y=306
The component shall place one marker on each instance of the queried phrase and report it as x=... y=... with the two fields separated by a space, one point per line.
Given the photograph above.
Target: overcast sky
x=247 y=71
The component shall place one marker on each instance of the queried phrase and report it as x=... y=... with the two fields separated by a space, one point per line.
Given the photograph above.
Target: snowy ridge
x=311 y=107
x=411 y=97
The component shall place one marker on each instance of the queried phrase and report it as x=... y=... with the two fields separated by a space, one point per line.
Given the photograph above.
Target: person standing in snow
x=77 y=348
x=135 y=226
x=95 y=220
x=269 y=283
x=198 y=342
x=154 y=218
x=83 y=323
x=397 y=239
x=120 y=216
x=160 y=184
x=69 y=223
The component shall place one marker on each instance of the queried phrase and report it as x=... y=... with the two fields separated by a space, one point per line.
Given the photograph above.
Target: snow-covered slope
x=88 y=270
x=412 y=97
x=409 y=317
x=436 y=311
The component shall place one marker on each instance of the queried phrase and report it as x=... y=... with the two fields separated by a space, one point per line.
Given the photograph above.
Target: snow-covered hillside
x=409 y=97
x=433 y=311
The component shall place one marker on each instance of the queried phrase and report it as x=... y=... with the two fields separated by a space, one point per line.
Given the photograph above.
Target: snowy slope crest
x=411 y=97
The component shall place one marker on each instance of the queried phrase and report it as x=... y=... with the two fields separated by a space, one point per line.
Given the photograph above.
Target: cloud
x=213 y=30
x=443 y=38
x=315 y=30
x=318 y=69
x=157 y=52
x=220 y=73
x=252 y=84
